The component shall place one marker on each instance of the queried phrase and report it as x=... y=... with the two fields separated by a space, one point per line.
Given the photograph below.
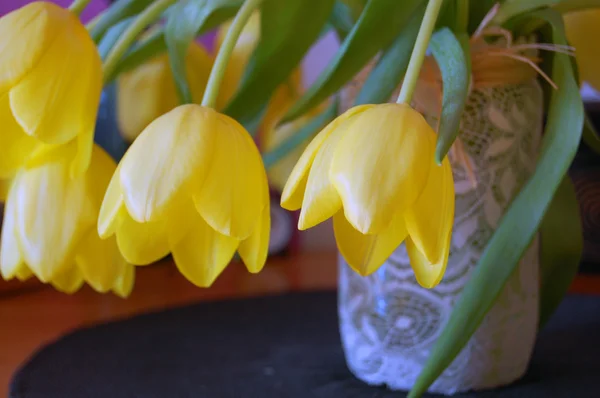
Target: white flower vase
x=388 y=323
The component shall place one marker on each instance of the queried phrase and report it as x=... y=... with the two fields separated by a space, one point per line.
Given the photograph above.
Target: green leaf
x=391 y=67
x=118 y=11
x=288 y=30
x=306 y=132
x=111 y=36
x=590 y=136
x=561 y=239
x=521 y=221
x=156 y=44
x=454 y=66
x=512 y=8
x=565 y=6
x=185 y=20
x=379 y=24
x=341 y=19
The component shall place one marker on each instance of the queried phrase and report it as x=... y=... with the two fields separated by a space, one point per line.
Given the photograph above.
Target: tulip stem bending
x=218 y=70
x=77 y=6
x=147 y=17
x=418 y=54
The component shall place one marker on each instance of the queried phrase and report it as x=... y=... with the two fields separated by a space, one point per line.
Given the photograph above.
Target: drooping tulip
x=372 y=169
x=149 y=91
x=192 y=184
x=581 y=27
x=49 y=225
x=50 y=84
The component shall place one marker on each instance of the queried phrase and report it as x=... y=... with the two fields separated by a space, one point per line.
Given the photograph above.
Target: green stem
x=150 y=15
x=218 y=70
x=77 y=6
x=462 y=20
x=419 y=51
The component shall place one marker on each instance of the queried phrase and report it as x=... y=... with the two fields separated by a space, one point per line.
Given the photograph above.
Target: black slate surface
x=281 y=346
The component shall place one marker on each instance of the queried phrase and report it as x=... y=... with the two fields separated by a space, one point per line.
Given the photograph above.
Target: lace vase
x=388 y=323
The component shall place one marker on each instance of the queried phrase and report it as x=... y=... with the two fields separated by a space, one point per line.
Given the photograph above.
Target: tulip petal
x=11 y=259
x=4 y=188
x=99 y=174
x=98 y=261
x=254 y=250
x=142 y=243
x=203 y=253
x=23 y=272
x=112 y=210
x=67 y=76
x=428 y=274
x=15 y=145
x=169 y=158
x=293 y=192
x=429 y=221
x=234 y=192
x=53 y=214
x=366 y=253
x=381 y=165
x=68 y=281
x=124 y=283
x=25 y=34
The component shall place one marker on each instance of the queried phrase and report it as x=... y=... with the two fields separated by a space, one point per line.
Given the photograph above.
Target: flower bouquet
x=421 y=140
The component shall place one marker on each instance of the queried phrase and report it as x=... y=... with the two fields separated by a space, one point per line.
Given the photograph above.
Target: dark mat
x=285 y=346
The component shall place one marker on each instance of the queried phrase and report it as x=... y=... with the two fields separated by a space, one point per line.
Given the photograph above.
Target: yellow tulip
x=372 y=169
x=582 y=27
x=4 y=186
x=50 y=84
x=149 y=91
x=192 y=184
x=49 y=225
x=285 y=95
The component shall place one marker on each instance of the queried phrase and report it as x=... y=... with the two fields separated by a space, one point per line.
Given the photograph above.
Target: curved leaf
x=513 y=8
x=590 y=136
x=115 y=13
x=561 y=238
x=378 y=25
x=112 y=36
x=392 y=65
x=288 y=30
x=522 y=219
x=185 y=20
x=454 y=66
x=341 y=18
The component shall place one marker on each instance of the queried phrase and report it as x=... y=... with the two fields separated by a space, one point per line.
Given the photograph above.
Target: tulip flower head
x=372 y=169
x=50 y=84
x=149 y=91
x=581 y=27
x=49 y=225
x=192 y=184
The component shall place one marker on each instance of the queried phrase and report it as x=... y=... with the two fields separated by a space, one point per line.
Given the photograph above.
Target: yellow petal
x=113 y=209
x=4 y=187
x=283 y=98
x=124 y=283
x=581 y=28
x=366 y=253
x=429 y=221
x=254 y=250
x=203 y=253
x=68 y=76
x=233 y=194
x=99 y=175
x=68 y=281
x=321 y=200
x=52 y=216
x=24 y=35
x=428 y=274
x=168 y=159
x=11 y=259
x=23 y=272
x=99 y=261
x=293 y=192
x=381 y=165
x=15 y=145
x=142 y=243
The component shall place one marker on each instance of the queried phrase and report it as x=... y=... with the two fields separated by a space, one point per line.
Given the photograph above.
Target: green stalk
x=150 y=15
x=418 y=54
x=77 y=6
x=218 y=70
x=462 y=18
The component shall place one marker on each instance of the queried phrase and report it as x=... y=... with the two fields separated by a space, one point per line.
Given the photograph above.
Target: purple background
x=94 y=8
